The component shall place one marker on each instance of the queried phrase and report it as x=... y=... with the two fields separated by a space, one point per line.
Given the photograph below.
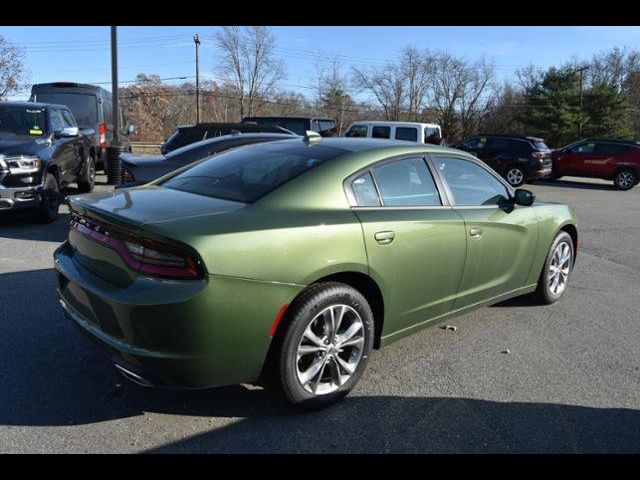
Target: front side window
x=407 y=133
x=469 y=183
x=380 y=132
x=475 y=143
x=68 y=119
x=406 y=182
x=357 y=131
x=57 y=123
x=583 y=148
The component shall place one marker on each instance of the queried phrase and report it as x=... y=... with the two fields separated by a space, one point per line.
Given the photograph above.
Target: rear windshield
x=296 y=125
x=249 y=173
x=83 y=106
x=540 y=145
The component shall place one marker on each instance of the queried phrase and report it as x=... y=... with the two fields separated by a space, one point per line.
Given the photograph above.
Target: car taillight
x=540 y=155
x=102 y=132
x=142 y=255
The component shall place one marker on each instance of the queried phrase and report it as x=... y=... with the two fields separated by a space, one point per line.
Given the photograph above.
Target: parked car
x=294 y=258
x=92 y=107
x=41 y=152
x=326 y=127
x=518 y=158
x=141 y=169
x=408 y=131
x=609 y=159
x=188 y=134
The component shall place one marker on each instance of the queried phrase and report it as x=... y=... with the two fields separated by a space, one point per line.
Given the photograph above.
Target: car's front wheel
x=557 y=268
x=515 y=175
x=50 y=203
x=326 y=345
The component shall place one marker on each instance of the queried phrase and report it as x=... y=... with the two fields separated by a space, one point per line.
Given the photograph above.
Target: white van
x=409 y=131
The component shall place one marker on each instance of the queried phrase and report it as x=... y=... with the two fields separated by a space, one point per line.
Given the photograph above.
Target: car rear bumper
x=544 y=171
x=185 y=334
x=20 y=197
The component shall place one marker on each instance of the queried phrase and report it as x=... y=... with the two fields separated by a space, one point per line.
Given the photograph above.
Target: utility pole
x=581 y=70
x=114 y=165
x=196 y=40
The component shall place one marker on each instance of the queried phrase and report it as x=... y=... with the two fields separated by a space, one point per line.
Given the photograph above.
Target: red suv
x=617 y=160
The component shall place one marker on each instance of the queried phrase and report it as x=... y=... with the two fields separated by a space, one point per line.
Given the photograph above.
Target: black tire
x=544 y=293
x=625 y=179
x=304 y=312
x=50 y=204
x=515 y=175
x=87 y=180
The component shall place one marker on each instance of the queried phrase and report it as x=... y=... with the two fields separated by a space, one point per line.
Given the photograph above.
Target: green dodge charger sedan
x=289 y=261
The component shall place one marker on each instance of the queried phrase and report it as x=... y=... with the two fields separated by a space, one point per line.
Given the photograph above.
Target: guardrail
x=145 y=148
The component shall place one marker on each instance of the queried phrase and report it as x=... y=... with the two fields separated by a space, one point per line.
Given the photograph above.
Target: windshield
x=19 y=120
x=247 y=174
x=84 y=107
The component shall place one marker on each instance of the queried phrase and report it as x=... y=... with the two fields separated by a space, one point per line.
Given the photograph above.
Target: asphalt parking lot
x=571 y=382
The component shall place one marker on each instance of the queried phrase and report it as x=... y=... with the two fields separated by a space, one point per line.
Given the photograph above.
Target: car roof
x=34 y=105
x=362 y=144
x=273 y=117
x=64 y=85
x=510 y=135
x=384 y=122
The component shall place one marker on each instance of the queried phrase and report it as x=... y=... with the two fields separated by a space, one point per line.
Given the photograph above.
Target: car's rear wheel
x=88 y=179
x=326 y=345
x=50 y=199
x=557 y=268
x=625 y=179
x=515 y=175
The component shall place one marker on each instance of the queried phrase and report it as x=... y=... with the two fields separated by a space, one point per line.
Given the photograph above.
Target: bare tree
x=477 y=94
x=417 y=69
x=12 y=74
x=249 y=64
x=387 y=86
x=333 y=98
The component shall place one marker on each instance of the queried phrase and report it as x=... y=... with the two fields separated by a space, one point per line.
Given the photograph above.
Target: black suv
x=518 y=158
x=187 y=134
x=42 y=151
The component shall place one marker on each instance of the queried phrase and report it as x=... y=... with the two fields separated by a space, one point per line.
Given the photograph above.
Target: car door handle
x=384 y=238
x=475 y=232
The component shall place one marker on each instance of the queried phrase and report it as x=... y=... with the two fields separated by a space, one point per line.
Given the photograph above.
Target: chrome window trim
x=351 y=198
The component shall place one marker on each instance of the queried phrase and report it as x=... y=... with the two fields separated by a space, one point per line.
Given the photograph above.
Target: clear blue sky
x=82 y=53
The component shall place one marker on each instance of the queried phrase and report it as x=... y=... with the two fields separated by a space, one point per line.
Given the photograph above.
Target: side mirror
x=524 y=197
x=68 y=132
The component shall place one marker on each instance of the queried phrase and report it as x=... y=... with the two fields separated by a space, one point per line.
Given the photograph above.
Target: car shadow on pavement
x=575 y=184
x=52 y=376
x=26 y=226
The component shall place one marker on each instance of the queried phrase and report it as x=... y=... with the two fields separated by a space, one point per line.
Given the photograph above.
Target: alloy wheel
x=559 y=268
x=330 y=349
x=515 y=176
x=625 y=180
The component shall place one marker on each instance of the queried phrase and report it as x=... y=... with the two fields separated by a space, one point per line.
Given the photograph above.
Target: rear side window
x=540 y=145
x=357 y=131
x=406 y=183
x=380 y=132
x=365 y=191
x=503 y=144
x=611 y=148
x=407 y=133
x=249 y=173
